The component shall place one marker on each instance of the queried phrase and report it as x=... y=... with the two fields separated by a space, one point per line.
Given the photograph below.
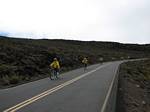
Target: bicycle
x=85 y=66
x=54 y=74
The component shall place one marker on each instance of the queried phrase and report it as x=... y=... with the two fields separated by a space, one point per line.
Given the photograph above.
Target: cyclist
x=55 y=66
x=85 y=62
x=101 y=60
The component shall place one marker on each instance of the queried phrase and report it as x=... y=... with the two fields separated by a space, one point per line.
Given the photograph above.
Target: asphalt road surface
x=75 y=91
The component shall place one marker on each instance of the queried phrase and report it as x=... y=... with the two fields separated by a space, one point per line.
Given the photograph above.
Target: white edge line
x=109 y=92
x=53 y=89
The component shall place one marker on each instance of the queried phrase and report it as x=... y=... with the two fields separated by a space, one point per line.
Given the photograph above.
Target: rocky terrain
x=134 y=87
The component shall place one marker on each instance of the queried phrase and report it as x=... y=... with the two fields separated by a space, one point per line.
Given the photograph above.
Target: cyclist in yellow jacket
x=85 y=62
x=55 y=66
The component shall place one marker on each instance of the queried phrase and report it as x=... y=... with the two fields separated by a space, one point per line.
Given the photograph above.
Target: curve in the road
x=50 y=91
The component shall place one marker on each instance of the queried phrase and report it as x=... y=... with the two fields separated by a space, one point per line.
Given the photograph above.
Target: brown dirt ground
x=134 y=87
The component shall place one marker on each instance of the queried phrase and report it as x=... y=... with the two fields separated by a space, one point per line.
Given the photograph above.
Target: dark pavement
x=84 y=95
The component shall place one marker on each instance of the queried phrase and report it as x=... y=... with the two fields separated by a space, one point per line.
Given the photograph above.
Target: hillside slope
x=24 y=60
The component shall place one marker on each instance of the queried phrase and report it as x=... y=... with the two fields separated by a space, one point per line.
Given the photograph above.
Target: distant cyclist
x=85 y=62
x=101 y=60
x=55 y=66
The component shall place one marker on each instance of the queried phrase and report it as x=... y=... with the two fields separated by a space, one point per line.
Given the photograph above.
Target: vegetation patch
x=24 y=60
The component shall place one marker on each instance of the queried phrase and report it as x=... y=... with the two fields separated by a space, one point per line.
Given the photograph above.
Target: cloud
x=106 y=20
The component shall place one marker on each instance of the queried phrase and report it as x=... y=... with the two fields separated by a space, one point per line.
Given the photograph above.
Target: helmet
x=55 y=59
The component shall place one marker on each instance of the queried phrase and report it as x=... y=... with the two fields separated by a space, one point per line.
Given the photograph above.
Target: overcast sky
x=126 y=21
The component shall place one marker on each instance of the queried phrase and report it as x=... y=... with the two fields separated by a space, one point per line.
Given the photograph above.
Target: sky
x=125 y=21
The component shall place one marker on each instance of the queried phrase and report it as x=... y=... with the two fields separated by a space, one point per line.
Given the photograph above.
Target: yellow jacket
x=85 y=61
x=55 y=64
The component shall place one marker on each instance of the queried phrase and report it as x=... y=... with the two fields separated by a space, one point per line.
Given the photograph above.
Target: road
x=75 y=91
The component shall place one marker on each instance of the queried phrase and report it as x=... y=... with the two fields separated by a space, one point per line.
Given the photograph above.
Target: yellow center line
x=50 y=91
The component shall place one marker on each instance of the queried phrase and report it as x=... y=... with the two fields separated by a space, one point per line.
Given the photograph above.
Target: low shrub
x=14 y=79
